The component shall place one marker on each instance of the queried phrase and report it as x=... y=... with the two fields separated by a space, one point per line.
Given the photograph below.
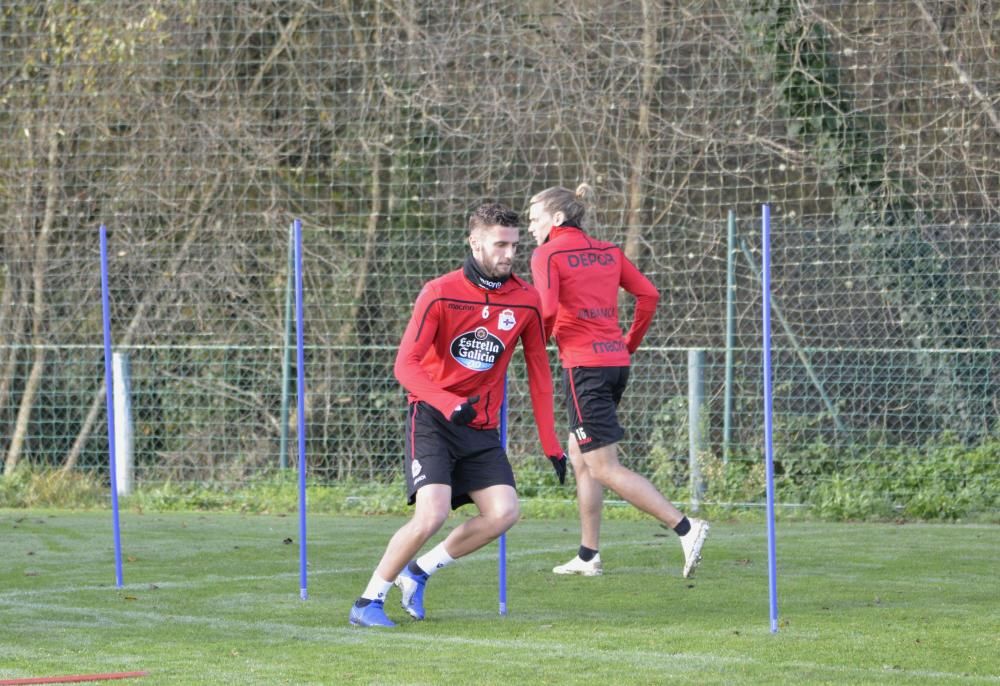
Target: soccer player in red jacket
x=452 y=360
x=578 y=278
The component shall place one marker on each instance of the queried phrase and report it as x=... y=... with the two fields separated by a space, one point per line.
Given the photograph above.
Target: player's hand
x=465 y=412
x=559 y=464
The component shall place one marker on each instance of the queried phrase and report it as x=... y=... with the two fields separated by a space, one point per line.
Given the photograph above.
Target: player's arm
x=646 y=297
x=540 y=385
x=417 y=340
x=545 y=276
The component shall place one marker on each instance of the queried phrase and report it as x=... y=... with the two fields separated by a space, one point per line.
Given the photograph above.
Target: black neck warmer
x=475 y=274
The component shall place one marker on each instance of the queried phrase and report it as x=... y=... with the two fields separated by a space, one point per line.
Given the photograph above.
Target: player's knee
x=426 y=524
x=600 y=470
x=579 y=465
x=607 y=472
x=504 y=516
x=512 y=514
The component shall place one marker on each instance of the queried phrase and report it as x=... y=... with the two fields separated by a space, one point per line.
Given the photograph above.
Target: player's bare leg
x=590 y=502
x=432 y=505
x=636 y=489
x=589 y=498
x=498 y=512
x=431 y=509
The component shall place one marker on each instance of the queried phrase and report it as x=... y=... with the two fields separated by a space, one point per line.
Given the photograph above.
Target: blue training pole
x=301 y=393
x=768 y=418
x=106 y=312
x=502 y=561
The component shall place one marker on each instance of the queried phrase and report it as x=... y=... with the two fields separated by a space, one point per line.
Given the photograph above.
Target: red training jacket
x=459 y=342
x=578 y=278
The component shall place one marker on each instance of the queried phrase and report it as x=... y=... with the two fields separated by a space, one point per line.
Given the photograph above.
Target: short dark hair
x=492 y=214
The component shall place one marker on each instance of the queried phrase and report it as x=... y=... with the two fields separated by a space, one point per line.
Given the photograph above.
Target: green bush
x=944 y=479
x=51 y=488
x=849 y=497
x=941 y=480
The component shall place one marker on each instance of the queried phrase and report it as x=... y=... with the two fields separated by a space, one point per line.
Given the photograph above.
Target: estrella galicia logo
x=477 y=350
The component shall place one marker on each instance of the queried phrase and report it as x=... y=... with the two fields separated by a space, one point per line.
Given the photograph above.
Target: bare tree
x=51 y=133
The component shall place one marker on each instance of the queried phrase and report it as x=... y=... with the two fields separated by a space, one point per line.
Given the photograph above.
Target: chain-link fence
x=197 y=129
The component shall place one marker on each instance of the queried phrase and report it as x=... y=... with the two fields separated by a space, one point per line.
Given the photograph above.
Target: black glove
x=559 y=464
x=465 y=412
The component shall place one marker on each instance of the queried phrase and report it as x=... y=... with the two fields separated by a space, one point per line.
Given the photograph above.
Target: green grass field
x=214 y=598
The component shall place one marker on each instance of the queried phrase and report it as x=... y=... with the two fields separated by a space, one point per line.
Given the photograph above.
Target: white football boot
x=692 y=543
x=578 y=566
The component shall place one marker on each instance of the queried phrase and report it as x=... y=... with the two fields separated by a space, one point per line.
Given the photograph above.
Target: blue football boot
x=372 y=614
x=412 y=586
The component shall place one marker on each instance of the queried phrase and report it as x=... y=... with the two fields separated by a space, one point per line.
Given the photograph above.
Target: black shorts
x=592 y=397
x=439 y=452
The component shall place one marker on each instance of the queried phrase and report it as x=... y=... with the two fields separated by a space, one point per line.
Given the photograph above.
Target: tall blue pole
x=768 y=418
x=301 y=397
x=502 y=562
x=108 y=384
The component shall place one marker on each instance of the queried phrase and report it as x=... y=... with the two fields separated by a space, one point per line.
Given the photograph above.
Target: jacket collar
x=564 y=230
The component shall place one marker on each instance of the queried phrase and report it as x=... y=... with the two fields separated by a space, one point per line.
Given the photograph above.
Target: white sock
x=377 y=588
x=435 y=559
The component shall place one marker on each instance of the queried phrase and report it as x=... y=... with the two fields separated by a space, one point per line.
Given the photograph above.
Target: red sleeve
x=646 y=297
x=540 y=385
x=417 y=340
x=547 y=286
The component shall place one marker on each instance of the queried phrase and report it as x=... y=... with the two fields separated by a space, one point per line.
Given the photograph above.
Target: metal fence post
x=696 y=441
x=727 y=413
x=121 y=375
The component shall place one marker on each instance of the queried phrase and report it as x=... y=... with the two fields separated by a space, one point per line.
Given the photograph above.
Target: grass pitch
x=214 y=598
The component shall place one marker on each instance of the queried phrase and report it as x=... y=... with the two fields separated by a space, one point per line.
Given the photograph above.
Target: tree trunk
x=350 y=322
x=12 y=313
x=349 y=327
x=633 y=218
x=38 y=305
x=11 y=321
x=14 y=330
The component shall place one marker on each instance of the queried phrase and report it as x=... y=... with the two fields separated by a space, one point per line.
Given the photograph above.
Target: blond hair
x=576 y=206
